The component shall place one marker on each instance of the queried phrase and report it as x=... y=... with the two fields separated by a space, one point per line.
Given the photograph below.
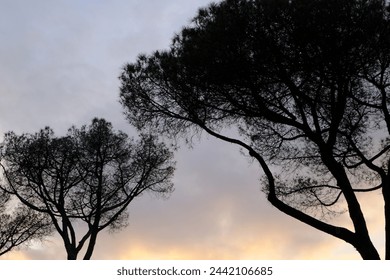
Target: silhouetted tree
x=90 y=175
x=19 y=225
x=305 y=83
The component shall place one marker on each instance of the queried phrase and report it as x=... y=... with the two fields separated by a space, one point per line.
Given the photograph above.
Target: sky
x=59 y=66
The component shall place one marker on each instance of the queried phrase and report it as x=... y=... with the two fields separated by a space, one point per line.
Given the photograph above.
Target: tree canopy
x=19 y=225
x=88 y=177
x=307 y=85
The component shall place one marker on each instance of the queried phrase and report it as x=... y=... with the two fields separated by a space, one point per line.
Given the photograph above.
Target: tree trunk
x=361 y=241
x=386 y=199
x=72 y=254
x=91 y=246
x=366 y=249
x=71 y=250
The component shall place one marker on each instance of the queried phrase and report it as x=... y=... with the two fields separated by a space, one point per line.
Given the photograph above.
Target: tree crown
x=306 y=83
x=90 y=175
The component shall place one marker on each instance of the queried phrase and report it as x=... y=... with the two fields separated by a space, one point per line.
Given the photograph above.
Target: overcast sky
x=59 y=63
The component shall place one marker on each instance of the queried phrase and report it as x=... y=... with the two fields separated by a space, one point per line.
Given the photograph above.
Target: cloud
x=60 y=60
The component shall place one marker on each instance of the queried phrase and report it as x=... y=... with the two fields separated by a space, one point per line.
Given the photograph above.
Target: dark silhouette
x=305 y=83
x=88 y=177
x=19 y=225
